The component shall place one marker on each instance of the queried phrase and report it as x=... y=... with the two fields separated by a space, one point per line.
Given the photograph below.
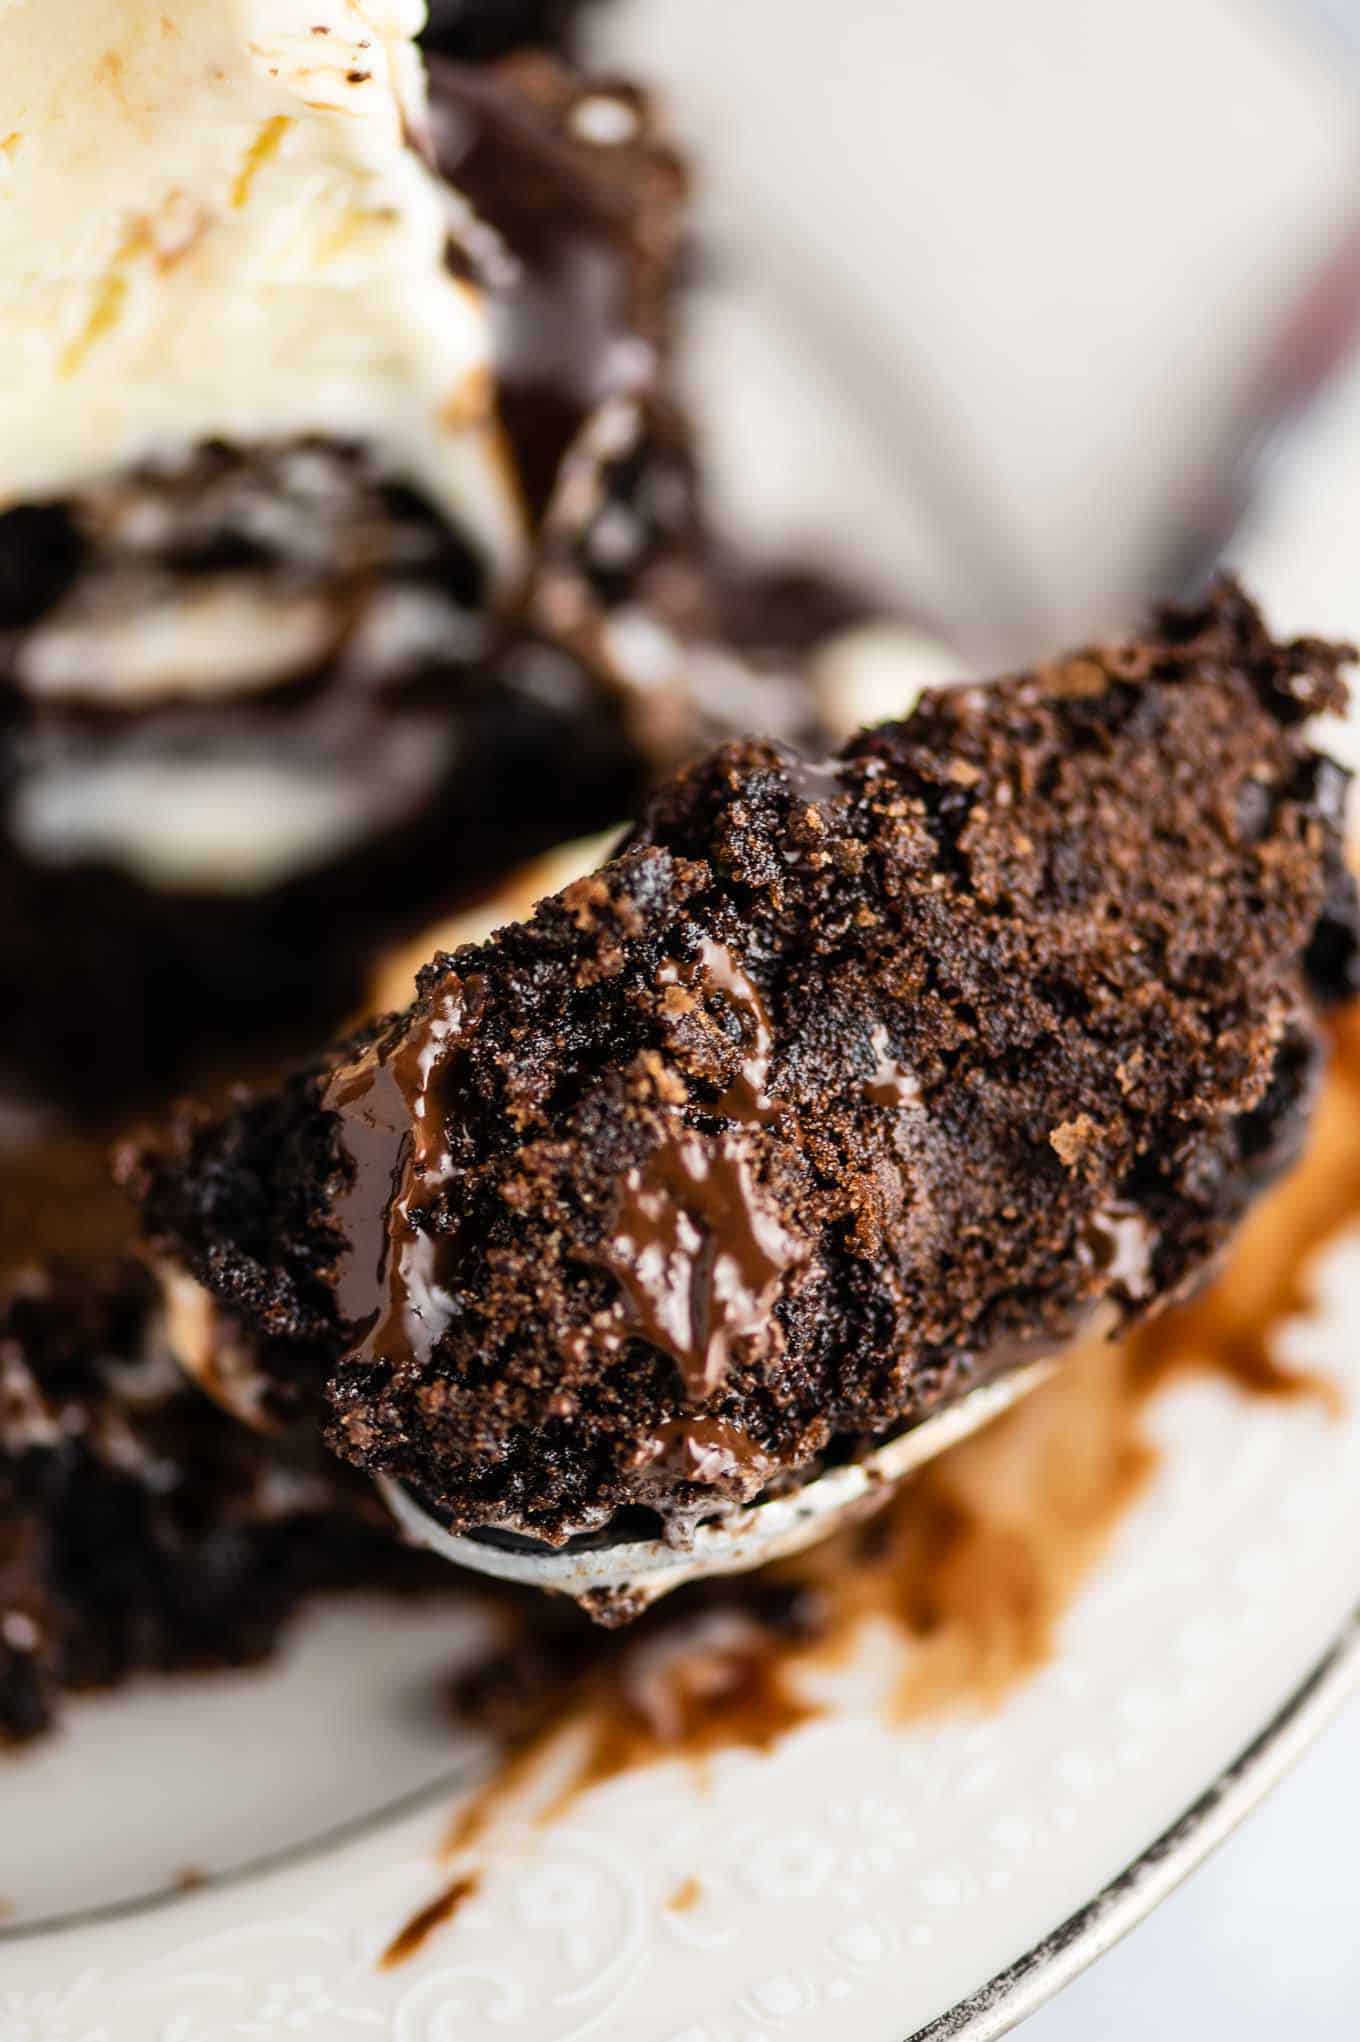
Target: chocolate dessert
x=217 y=867
x=140 y=1529
x=841 y=1088
x=289 y=667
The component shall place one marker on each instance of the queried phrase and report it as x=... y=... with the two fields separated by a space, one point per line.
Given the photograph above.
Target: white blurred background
x=986 y=284
x=993 y=277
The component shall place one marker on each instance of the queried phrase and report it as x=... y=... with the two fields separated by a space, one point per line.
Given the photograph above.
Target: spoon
x=596 y=1567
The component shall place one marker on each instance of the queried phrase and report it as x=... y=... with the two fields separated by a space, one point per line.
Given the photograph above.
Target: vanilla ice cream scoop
x=217 y=221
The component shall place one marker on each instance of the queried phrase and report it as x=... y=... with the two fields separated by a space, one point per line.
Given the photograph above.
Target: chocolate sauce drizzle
x=699 y=1252
x=392 y=1115
x=435 y=1915
x=747 y=1099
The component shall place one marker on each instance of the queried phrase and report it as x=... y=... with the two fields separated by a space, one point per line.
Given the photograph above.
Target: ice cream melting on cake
x=342 y=492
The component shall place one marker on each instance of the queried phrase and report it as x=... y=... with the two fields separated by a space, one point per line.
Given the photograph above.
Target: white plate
x=861 y=1881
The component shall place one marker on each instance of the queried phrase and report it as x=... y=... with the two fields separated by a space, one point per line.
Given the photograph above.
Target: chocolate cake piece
x=140 y=1530
x=841 y=1088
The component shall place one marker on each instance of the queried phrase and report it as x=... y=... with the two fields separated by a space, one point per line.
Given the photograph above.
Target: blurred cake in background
x=353 y=547
x=477 y=30
x=353 y=554
x=140 y=1530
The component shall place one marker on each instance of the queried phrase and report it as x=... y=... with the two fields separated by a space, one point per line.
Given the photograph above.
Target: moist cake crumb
x=841 y=1088
x=140 y=1529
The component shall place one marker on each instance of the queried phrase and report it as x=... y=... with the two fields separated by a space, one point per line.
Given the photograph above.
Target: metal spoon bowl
x=642 y=1571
